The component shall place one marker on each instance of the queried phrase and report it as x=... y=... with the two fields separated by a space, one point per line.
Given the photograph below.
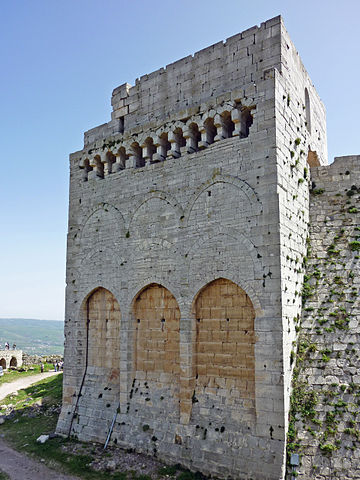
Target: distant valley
x=33 y=336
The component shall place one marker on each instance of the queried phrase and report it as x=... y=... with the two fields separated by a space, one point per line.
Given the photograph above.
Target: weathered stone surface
x=327 y=429
x=188 y=222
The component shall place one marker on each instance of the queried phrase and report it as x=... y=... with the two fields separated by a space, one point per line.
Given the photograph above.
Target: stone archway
x=3 y=363
x=224 y=344
x=13 y=362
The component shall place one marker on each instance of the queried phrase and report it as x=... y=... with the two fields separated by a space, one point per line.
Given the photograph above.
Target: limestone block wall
x=301 y=143
x=324 y=425
x=10 y=358
x=179 y=286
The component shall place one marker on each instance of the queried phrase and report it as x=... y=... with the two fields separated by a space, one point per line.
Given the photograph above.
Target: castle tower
x=188 y=222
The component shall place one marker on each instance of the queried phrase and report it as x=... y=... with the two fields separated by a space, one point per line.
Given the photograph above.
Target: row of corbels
x=170 y=141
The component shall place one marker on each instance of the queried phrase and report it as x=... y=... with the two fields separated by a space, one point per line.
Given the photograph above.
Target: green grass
x=21 y=433
x=4 y=476
x=11 y=375
x=48 y=391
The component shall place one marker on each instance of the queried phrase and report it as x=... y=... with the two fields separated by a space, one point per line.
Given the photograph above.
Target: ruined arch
x=156 y=317
x=3 y=363
x=13 y=362
x=224 y=318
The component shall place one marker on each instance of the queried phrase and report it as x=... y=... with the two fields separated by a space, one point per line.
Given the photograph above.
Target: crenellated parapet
x=174 y=139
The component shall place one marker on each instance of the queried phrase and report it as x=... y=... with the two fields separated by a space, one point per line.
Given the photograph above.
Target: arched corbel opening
x=224 y=126
x=149 y=150
x=307 y=110
x=177 y=142
x=228 y=124
x=136 y=152
x=85 y=166
x=121 y=158
x=163 y=147
x=99 y=166
x=109 y=162
x=193 y=137
x=3 y=363
x=246 y=121
x=208 y=133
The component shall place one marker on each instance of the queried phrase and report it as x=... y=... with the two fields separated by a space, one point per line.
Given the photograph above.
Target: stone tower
x=188 y=222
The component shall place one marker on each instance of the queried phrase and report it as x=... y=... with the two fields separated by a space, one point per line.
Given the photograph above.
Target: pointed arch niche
x=103 y=317
x=157 y=323
x=156 y=351
x=224 y=345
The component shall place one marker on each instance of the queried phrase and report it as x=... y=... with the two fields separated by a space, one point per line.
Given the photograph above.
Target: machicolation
x=187 y=249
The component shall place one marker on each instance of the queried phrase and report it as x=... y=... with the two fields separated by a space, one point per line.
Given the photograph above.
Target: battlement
x=181 y=88
x=202 y=99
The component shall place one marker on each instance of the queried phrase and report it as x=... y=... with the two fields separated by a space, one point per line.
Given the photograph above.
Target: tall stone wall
x=180 y=218
x=301 y=142
x=324 y=426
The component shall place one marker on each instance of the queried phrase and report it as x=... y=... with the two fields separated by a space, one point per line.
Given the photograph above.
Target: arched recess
x=3 y=363
x=104 y=225
x=224 y=344
x=103 y=318
x=156 y=359
x=218 y=190
x=13 y=362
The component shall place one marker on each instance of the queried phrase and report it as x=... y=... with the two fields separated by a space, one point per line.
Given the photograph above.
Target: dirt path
x=11 y=387
x=20 y=467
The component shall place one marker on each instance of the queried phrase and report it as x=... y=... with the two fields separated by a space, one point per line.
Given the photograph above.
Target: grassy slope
x=22 y=431
x=33 y=336
x=11 y=375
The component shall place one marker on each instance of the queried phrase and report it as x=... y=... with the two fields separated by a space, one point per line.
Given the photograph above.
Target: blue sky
x=60 y=61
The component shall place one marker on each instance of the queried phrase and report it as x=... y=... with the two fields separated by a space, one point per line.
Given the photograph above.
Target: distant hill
x=33 y=336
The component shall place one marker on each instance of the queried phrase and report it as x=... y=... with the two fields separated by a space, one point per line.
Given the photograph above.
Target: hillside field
x=33 y=336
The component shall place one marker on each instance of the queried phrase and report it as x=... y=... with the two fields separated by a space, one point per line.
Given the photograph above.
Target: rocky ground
x=26 y=415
